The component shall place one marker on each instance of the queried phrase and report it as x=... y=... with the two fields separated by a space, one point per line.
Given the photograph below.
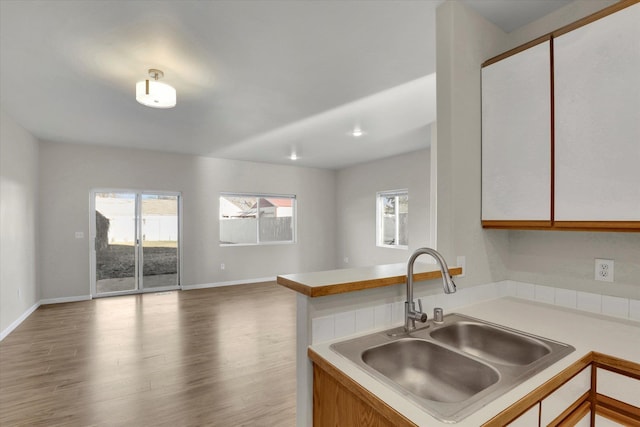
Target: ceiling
x=256 y=80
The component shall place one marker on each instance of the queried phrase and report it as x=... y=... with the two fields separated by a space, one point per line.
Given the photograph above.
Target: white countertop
x=585 y=331
x=330 y=282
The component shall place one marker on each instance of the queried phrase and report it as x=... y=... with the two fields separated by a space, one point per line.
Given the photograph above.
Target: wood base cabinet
x=340 y=401
x=596 y=391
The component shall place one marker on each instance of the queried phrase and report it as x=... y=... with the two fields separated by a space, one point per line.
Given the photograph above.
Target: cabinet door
x=528 y=419
x=516 y=137
x=597 y=120
x=563 y=397
x=620 y=387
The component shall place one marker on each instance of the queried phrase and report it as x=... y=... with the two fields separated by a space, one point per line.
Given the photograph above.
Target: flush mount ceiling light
x=154 y=94
x=357 y=132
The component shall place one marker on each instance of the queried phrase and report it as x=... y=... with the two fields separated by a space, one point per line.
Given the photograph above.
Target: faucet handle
x=423 y=316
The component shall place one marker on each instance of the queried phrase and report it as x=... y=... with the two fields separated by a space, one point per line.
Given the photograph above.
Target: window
x=257 y=219
x=392 y=219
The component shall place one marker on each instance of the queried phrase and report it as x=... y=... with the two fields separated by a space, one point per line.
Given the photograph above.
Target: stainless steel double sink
x=453 y=368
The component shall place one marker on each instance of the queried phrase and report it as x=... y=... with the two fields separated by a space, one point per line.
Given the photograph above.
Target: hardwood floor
x=209 y=357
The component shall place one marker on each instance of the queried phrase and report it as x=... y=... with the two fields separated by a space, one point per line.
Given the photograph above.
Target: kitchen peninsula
x=332 y=318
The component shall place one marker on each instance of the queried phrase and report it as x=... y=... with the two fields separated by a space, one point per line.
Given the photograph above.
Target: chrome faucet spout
x=411 y=314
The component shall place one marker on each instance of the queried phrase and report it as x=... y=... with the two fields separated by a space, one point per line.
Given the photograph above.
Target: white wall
x=356 y=189
x=68 y=172
x=18 y=222
x=567 y=259
x=559 y=259
x=464 y=41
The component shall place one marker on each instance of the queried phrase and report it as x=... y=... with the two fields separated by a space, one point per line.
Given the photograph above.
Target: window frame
x=380 y=195
x=258 y=196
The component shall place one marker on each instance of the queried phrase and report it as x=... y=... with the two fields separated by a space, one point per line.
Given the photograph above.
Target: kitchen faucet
x=410 y=312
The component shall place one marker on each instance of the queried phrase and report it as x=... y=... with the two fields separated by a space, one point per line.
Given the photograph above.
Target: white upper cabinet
x=597 y=120
x=516 y=137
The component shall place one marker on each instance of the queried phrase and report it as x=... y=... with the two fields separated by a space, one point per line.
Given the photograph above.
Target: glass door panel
x=115 y=242
x=159 y=236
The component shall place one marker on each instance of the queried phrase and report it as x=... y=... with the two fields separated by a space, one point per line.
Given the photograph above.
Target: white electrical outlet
x=604 y=270
x=222 y=266
x=346 y=260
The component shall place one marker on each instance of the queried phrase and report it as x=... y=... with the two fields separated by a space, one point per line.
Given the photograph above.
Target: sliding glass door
x=136 y=239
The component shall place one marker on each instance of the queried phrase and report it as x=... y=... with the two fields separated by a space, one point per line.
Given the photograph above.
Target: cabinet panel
x=528 y=419
x=564 y=396
x=605 y=422
x=516 y=137
x=620 y=387
x=597 y=120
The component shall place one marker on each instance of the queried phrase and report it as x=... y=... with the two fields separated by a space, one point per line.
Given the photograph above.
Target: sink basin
x=491 y=343
x=430 y=371
x=454 y=368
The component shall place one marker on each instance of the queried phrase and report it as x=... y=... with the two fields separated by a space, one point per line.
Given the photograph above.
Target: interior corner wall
x=68 y=172
x=18 y=222
x=464 y=40
x=559 y=259
x=566 y=259
x=356 y=189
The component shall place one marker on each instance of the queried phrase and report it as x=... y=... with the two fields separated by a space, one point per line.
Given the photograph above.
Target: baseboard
x=230 y=283
x=19 y=320
x=33 y=308
x=65 y=299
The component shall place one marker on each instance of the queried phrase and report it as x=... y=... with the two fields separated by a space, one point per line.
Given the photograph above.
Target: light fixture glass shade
x=160 y=95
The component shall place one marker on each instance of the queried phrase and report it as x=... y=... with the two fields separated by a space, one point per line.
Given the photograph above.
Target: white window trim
x=379 y=209
x=294 y=215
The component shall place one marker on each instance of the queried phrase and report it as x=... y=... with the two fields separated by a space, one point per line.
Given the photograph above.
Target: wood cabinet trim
x=341 y=288
x=533 y=398
x=617 y=411
x=590 y=402
x=572 y=418
x=516 y=50
x=598 y=404
x=619 y=366
x=360 y=392
x=607 y=226
x=622 y=4
x=524 y=225
x=611 y=226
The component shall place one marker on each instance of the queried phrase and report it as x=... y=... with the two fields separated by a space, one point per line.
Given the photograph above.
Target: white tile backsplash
x=397 y=313
x=382 y=316
x=322 y=329
x=347 y=323
x=634 y=309
x=566 y=298
x=545 y=294
x=589 y=302
x=614 y=306
x=525 y=290
x=364 y=319
x=503 y=288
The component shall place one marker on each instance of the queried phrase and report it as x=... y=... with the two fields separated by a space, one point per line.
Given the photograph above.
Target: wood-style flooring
x=209 y=357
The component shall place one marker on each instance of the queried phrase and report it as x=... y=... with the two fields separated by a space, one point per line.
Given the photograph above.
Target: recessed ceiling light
x=357 y=132
x=154 y=94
